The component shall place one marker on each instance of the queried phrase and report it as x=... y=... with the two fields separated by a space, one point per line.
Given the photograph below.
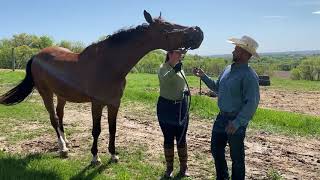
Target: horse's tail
x=20 y=92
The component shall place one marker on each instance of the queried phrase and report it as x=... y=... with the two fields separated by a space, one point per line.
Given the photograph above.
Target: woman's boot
x=169 y=156
x=183 y=158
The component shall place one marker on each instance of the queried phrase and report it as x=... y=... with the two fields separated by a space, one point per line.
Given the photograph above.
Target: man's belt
x=228 y=113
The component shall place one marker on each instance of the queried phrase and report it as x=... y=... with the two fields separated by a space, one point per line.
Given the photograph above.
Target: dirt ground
x=293 y=101
x=292 y=157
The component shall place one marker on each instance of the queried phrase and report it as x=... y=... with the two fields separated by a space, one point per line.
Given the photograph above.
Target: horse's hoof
x=64 y=153
x=114 y=158
x=96 y=163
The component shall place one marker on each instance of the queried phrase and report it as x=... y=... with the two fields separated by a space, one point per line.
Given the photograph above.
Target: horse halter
x=167 y=33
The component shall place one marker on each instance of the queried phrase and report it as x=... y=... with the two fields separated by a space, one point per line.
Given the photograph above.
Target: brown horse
x=97 y=74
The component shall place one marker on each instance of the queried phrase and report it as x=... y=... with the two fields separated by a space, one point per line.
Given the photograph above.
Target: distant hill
x=286 y=53
x=301 y=53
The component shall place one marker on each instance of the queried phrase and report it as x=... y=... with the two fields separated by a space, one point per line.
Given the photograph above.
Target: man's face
x=237 y=53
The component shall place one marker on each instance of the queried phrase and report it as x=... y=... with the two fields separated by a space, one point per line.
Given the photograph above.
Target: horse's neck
x=131 y=54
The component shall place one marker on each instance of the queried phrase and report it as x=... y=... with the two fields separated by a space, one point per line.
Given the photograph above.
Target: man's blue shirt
x=238 y=91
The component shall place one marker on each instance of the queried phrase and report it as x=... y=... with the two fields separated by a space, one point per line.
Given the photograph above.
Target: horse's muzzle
x=193 y=37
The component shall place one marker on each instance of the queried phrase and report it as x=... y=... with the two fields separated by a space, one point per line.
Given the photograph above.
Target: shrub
x=309 y=69
x=295 y=74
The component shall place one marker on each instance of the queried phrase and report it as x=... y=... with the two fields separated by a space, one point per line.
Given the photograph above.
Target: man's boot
x=183 y=158
x=169 y=155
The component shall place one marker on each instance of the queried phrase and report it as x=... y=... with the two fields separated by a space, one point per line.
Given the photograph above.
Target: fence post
x=200 y=87
x=13 y=60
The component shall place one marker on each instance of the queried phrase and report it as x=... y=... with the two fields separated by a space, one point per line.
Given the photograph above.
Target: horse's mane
x=121 y=36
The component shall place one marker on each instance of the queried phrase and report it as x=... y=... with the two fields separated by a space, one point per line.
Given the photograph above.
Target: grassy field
x=49 y=166
x=296 y=85
x=144 y=88
x=141 y=88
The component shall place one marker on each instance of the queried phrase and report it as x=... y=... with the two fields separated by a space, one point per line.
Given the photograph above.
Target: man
x=238 y=98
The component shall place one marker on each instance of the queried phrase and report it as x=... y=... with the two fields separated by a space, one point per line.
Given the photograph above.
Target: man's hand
x=198 y=72
x=177 y=67
x=230 y=129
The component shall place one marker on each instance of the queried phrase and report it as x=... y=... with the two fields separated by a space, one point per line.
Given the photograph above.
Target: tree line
x=21 y=47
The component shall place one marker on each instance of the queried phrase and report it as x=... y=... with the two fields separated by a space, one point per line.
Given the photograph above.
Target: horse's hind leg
x=60 y=112
x=112 y=120
x=47 y=97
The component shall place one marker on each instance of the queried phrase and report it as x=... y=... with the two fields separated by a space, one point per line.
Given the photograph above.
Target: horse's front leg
x=112 y=120
x=60 y=113
x=96 y=130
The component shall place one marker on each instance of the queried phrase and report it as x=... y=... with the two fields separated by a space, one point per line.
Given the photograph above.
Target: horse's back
x=58 y=70
x=58 y=54
x=75 y=79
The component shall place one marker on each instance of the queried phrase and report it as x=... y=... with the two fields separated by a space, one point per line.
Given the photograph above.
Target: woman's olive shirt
x=172 y=84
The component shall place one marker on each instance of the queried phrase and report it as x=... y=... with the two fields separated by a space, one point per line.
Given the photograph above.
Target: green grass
x=144 y=88
x=298 y=85
x=273 y=174
x=49 y=166
x=25 y=111
x=141 y=89
x=15 y=121
x=286 y=122
x=10 y=77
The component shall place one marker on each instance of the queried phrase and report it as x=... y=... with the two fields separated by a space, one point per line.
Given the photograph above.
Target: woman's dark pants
x=172 y=128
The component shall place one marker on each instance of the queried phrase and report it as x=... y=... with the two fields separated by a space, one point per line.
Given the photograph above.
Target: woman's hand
x=198 y=72
x=177 y=67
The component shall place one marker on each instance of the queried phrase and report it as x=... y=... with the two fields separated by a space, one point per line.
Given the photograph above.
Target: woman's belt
x=170 y=101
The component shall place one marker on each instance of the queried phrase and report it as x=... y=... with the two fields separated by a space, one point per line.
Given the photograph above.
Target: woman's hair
x=167 y=56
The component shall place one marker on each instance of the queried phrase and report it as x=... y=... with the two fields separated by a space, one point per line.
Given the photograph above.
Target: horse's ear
x=148 y=17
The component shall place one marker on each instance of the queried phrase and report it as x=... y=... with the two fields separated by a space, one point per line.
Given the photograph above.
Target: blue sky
x=277 y=25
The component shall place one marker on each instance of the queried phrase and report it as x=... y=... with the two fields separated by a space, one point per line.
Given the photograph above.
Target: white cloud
x=274 y=17
x=316 y=12
x=306 y=3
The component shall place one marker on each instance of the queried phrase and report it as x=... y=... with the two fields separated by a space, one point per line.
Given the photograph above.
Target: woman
x=172 y=111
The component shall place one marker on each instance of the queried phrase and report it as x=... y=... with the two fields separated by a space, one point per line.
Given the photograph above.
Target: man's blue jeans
x=219 y=141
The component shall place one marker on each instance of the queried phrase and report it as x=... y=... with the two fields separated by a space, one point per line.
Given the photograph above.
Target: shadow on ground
x=15 y=167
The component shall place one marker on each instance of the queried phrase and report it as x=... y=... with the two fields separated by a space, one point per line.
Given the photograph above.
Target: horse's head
x=171 y=36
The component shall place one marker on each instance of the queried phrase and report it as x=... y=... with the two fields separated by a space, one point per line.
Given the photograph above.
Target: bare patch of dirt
x=282 y=74
x=293 y=101
x=292 y=157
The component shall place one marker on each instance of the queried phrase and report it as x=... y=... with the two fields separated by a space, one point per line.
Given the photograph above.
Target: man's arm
x=252 y=97
x=212 y=85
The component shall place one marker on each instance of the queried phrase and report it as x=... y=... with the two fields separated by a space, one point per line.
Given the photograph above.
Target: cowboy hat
x=246 y=43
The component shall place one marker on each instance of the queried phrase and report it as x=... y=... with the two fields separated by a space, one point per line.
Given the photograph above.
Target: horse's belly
x=57 y=82
x=72 y=96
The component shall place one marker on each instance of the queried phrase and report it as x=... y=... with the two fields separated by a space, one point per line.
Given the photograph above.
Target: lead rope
x=185 y=119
